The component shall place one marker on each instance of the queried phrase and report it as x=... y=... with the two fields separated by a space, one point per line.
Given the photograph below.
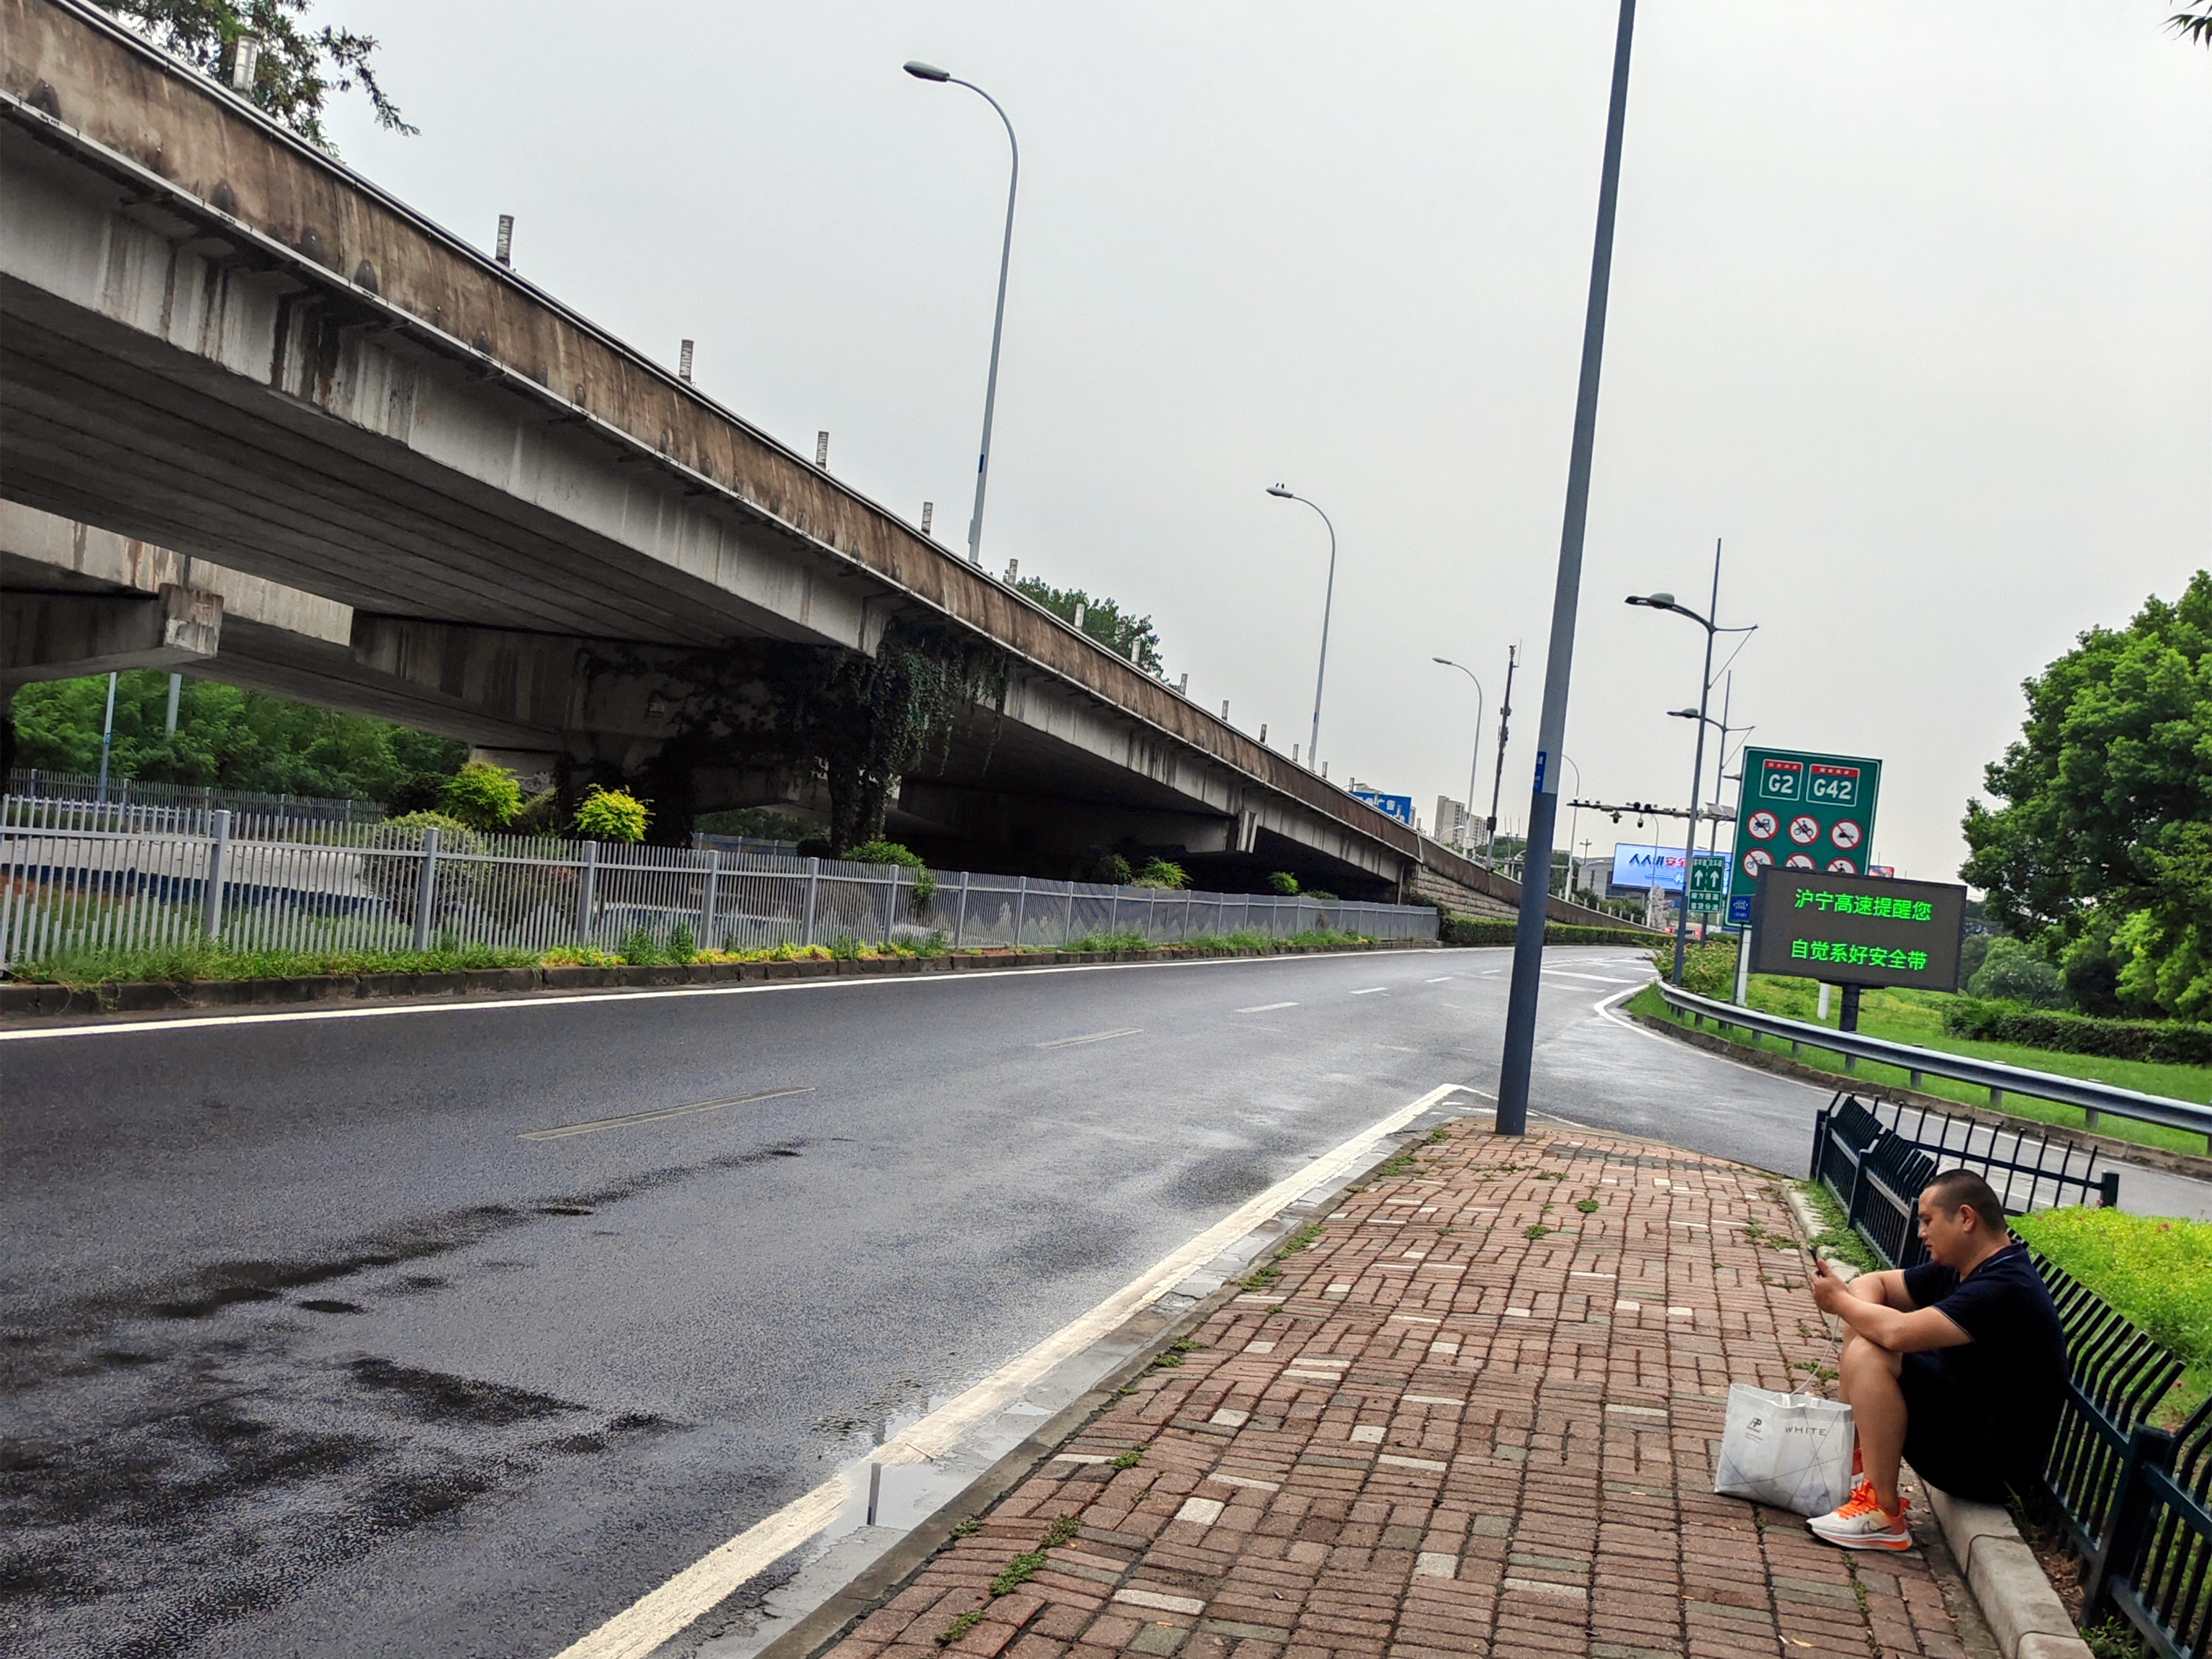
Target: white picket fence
x=66 y=889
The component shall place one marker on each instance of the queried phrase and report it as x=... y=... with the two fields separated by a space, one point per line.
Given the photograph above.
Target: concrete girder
x=58 y=636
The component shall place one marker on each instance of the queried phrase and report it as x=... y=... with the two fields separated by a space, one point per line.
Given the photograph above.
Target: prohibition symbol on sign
x=1842 y=867
x=1845 y=834
x=1805 y=829
x=1798 y=861
x=1758 y=859
x=1762 y=826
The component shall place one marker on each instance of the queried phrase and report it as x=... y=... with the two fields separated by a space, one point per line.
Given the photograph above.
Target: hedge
x=1498 y=930
x=2168 y=1042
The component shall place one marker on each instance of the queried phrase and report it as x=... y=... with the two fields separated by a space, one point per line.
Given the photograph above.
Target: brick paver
x=1435 y=1434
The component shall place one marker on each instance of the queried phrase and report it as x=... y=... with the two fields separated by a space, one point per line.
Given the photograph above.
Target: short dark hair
x=1954 y=1190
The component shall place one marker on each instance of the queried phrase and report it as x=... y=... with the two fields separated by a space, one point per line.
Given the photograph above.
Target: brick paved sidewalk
x=1477 y=1415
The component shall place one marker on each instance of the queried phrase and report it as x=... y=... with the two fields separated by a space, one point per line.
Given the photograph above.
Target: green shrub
x=845 y=950
x=683 y=945
x=481 y=796
x=2015 y=971
x=890 y=852
x=1114 y=871
x=2168 y=1042
x=1284 y=883
x=1163 y=873
x=613 y=815
x=640 y=949
x=1320 y=895
x=1708 y=966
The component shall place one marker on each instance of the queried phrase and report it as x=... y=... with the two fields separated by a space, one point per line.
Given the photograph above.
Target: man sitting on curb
x=1957 y=1364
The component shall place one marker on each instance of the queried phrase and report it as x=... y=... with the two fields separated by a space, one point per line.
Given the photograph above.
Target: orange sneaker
x=1862 y=1524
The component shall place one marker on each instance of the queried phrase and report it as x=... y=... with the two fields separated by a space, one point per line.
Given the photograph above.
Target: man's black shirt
x=2012 y=1373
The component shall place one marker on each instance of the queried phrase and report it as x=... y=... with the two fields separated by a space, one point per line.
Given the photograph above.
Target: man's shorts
x=1945 y=1438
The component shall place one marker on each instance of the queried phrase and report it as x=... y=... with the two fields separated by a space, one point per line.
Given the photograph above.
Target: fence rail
x=1918 y=1063
x=66 y=888
x=2135 y=1499
x=127 y=794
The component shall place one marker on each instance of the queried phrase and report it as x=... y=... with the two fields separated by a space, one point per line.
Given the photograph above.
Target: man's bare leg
x=1868 y=1380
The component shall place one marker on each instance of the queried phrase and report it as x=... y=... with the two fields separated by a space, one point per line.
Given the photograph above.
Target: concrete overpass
x=222 y=346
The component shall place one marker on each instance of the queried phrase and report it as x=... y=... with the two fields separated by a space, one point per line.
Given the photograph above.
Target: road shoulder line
x=1220 y=1252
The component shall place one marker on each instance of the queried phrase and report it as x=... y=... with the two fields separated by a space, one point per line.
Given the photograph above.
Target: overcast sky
x=1907 y=308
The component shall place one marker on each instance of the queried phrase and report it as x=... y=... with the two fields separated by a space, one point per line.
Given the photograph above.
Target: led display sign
x=1857 y=930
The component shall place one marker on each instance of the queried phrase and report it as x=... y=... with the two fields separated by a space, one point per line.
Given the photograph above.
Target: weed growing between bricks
x=1425 y=1431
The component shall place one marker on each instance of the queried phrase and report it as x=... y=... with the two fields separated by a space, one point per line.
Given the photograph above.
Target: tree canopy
x=1133 y=637
x=225 y=737
x=298 y=67
x=2102 y=849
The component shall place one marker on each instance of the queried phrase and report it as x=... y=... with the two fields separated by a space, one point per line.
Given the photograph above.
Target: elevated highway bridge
x=424 y=489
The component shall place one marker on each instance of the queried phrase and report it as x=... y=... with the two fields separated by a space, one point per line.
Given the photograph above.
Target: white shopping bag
x=1792 y=1451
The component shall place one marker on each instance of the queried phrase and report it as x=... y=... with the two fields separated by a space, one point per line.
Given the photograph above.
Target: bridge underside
x=468 y=509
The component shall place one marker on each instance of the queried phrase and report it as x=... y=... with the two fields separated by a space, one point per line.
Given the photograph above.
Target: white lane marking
x=599 y=1123
x=542 y=999
x=1371 y=991
x=1093 y=1036
x=1442 y=979
x=647 y=1623
x=1604 y=1009
x=1602 y=979
x=1266 y=1007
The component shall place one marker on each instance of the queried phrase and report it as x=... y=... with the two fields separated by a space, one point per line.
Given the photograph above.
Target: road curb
x=2157 y=1157
x=2022 y=1611
x=36 y=1001
x=845 y=1607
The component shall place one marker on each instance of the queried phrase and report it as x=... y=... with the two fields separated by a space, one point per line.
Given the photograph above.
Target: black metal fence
x=2135 y=1499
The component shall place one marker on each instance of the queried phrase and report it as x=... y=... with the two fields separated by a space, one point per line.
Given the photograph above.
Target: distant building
x=1455 y=825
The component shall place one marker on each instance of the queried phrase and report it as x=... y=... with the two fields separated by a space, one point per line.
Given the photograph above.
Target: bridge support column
x=60 y=636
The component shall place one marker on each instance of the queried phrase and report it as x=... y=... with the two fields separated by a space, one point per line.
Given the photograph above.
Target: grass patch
x=194 y=960
x=1129 y=1459
x=1835 y=1234
x=1916 y=1016
x=959 y=1627
x=2156 y=1274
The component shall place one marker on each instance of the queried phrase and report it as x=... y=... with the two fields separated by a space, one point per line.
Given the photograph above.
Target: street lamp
x=1474 y=768
x=1327 y=603
x=930 y=72
x=1666 y=602
x=1574 y=822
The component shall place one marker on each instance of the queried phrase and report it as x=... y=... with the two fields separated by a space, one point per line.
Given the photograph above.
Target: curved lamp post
x=930 y=72
x=1474 y=768
x=1328 y=601
x=1666 y=602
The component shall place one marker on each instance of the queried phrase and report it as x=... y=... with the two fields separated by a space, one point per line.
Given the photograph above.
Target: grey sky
x=1906 y=306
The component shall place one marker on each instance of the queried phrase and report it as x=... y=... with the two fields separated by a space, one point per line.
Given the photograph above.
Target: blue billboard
x=1399 y=807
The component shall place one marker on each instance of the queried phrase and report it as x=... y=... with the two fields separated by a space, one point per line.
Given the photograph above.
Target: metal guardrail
x=1917 y=1062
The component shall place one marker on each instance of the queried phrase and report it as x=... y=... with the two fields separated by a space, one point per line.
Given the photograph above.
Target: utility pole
x=1567 y=598
x=1497 y=782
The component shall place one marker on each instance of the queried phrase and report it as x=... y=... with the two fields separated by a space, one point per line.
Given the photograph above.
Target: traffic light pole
x=1559 y=662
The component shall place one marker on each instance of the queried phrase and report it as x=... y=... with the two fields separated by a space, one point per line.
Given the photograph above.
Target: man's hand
x=1829 y=1287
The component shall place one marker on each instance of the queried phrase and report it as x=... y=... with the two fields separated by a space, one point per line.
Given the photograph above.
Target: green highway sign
x=1709 y=883
x=1858 y=930
x=1801 y=811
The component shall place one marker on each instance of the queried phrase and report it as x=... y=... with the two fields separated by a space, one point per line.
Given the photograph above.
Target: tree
x=2194 y=24
x=2102 y=853
x=297 y=68
x=1104 y=620
x=225 y=737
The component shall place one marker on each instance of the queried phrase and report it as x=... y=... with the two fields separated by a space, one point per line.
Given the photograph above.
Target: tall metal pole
x=929 y=72
x=106 y=739
x=1558 y=663
x=1498 y=780
x=998 y=328
x=1697 y=774
x=1327 y=603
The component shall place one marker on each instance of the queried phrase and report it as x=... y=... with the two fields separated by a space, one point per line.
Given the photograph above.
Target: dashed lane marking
x=599 y=1123
x=1371 y=991
x=1266 y=1007
x=1093 y=1037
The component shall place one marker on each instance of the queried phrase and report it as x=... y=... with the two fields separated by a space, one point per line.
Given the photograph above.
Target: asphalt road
x=317 y=1343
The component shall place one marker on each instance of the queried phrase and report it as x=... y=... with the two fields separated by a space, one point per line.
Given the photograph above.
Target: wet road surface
x=452 y=1332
